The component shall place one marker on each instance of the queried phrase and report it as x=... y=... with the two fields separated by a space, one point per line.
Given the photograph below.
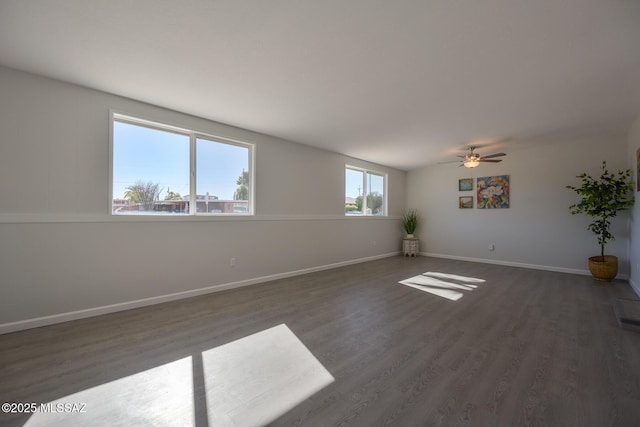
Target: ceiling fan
x=473 y=160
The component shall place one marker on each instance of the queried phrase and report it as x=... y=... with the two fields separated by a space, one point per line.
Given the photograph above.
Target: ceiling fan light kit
x=473 y=160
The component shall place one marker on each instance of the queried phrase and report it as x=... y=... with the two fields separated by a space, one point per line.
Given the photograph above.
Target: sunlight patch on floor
x=454 y=277
x=247 y=382
x=432 y=283
x=254 y=380
x=159 y=396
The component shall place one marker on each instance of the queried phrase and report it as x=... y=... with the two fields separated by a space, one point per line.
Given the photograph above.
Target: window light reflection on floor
x=248 y=382
x=163 y=394
x=434 y=283
x=254 y=380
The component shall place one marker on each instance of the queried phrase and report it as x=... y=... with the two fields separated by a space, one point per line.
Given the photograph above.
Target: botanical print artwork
x=466 y=202
x=493 y=192
x=465 y=184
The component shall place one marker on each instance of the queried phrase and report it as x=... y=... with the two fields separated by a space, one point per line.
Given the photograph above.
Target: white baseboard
x=6 y=328
x=520 y=264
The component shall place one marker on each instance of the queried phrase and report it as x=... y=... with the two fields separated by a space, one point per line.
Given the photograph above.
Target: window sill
x=97 y=218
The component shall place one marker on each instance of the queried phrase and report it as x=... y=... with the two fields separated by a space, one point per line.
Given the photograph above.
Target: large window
x=163 y=170
x=364 y=192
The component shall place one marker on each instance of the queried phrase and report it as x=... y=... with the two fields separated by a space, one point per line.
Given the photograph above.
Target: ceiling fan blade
x=490 y=156
x=453 y=161
x=489 y=161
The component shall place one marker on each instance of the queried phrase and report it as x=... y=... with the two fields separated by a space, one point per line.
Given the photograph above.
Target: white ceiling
x=400 y=83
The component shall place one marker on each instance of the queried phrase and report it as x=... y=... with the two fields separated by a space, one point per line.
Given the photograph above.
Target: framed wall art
x=465 y=202
x=493 y=192
x=465 y=184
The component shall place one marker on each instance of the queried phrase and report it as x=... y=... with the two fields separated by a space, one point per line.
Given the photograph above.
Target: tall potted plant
x=410 y=221
x=602 y=199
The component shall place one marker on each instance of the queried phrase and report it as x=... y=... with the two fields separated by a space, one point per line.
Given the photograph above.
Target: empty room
x=319 y=213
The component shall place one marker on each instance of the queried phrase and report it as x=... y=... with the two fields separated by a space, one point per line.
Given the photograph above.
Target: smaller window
x=365 y=192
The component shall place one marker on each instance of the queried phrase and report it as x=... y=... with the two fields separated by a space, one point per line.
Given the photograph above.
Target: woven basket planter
x=605 y=271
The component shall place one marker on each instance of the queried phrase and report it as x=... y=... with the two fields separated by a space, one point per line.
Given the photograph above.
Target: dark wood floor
x=526 y=347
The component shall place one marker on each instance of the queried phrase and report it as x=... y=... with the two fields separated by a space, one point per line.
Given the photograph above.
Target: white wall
x=537 y=230
x=61 y=251
x=634 y=243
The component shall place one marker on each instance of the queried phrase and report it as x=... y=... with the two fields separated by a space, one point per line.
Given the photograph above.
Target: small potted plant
x=602 y=198
x=410 y=222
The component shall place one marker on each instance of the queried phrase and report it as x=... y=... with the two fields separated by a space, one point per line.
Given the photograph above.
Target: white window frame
x=193 y=137
x=365 y=190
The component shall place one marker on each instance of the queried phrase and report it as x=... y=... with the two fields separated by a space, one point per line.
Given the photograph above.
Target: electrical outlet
x=232 y=262
x=492 y=247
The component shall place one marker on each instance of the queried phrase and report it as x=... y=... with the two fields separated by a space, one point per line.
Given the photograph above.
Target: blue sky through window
x=360 y=182
x=219 y=166
x=161 y=156
x=142 y=153
x=353 y=183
